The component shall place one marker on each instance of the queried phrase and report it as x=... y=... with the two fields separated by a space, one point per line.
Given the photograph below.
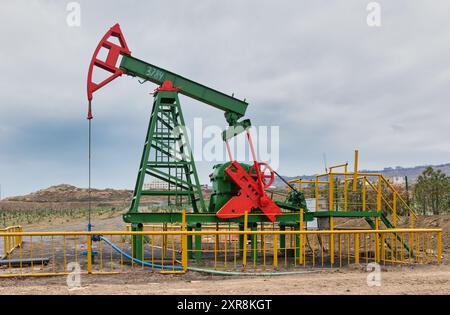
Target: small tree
x=432 y=192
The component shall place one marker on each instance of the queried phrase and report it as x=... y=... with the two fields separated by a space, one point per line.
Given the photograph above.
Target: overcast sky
x=314 y=68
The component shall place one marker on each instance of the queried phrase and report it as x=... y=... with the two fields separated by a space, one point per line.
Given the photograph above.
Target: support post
x=137 y=240
x=189 y=244
x=275 y=252
x=241 y=240
x=198 y=243
x=394 y=208
x=300 y=238
x=184 y=249
x=283 y=238
x=244 y=249
x=377 y=221
x=331 y=192
x=439 y=247
x=331 y=219
x=317 y=192
x=356 y=248
x=364 y=193
x=355 y=170
x=254 y=242
x=89 y=253
x=5 y=246
x=345 y=188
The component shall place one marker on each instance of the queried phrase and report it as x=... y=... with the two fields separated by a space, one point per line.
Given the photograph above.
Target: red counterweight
x=252 y=183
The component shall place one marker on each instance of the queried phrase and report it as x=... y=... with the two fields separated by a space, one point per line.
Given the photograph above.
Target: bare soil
x=352 y=279
x=417 y=280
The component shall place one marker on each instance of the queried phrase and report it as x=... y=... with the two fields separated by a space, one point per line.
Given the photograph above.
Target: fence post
x=377 y=221
x=331 y=201
x=244 y=245
x=16 y=238
x=8 y=245
x=439 y=247
x=5 y=250
x=355 y=170
x=184 y=249
x=394 y=208
x=356 y=248
x=316 y=192
x=275 y=251
x=20 y=236
x=301 y=249
x=89 y=254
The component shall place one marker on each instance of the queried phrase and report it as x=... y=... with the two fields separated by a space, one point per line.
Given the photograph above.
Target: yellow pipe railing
x=10 y=243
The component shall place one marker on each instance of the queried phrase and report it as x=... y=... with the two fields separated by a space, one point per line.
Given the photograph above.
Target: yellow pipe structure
x=89 y=253
x=306 y=181
x=377 y=222
x=337 y=166
x=275 y=251
x=244 y=246
x=424 y=249
x=184 y=247
x=331 y=192
x=394 y=208
x=382 y=197
x=248 y=232
x=411 y=211
x=355 y=171
x=364 y=194
x=300 y=260
x=352 y=174
x=331 y=201
x=316 y=193
x=345 y=189
x=10 y=243
x=439 y=247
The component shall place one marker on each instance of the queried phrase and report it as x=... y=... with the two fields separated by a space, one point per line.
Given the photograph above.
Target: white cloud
x=317 y=70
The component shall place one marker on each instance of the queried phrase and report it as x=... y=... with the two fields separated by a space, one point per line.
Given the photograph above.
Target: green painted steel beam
x=161 y=164
x=285 y=219
x=135 y=67
x=175 y=217
x=169 y=178
x=166 y=192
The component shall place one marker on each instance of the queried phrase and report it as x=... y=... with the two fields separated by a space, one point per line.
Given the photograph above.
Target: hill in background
x=68 y=196
x=388 y=172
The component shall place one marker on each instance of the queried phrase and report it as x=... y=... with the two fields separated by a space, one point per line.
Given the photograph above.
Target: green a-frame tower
x=167 y=156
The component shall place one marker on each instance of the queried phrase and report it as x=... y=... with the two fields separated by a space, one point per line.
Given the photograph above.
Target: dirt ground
x=411 y=280
x=418 y=279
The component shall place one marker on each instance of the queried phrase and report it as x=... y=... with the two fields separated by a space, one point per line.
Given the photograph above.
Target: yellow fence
x=347 y=190
x=10 y=242
x=59 y=253
x=343 y=191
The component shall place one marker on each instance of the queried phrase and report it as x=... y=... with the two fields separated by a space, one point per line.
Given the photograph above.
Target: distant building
x=156 y=185
x=397 y=180
x=162 y=185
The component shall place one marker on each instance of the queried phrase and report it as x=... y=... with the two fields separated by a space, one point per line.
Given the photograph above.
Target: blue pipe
x=137 y=261
x=224 y=273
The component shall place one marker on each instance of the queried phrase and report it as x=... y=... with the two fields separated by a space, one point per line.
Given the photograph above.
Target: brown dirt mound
x=69 y=193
